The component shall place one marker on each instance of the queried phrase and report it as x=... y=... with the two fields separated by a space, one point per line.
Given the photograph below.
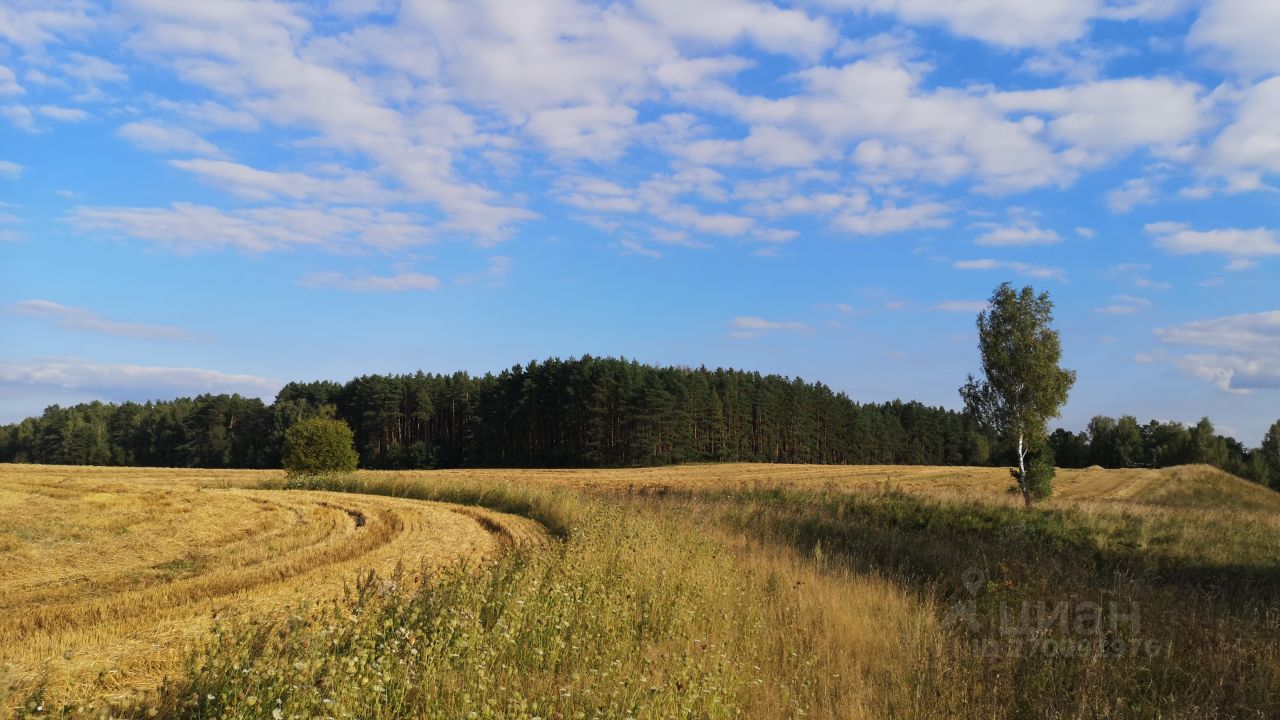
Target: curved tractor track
x=107 y=580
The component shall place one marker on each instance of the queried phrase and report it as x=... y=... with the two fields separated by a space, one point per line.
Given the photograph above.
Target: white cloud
x=721 y=22
x=1134 y=192
x=759 y=323
x=1234 y=374
x=1017 y=23
x=1239 y=33
x=132 y=381
x=1012 y=23
x=400 y=282
x=961 y=306
x=1248 y=333
x=746 y=327
x=1021 y=268
x=10 y=169
x=934 y=135
x=1124 y=305
x=262 y=59
x=1181 y=239
x=9 y=82
x=185 y=227
x=598 y=132
x=62 y=114
x=631 y=246
x=31 y=24
x=21 y=117
x=890 y=218
x=75 y=318
x=1107 y=117
x=92 y=70
x=1244 y=350
x=160 y=138
x=254 y=184
x=1023 y=230
x=1251 y=142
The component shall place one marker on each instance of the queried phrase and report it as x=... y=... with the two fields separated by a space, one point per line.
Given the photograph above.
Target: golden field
x=739 y=590
x=108 y=575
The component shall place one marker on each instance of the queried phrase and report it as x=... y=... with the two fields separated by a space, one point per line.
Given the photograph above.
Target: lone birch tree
x=1022 y=387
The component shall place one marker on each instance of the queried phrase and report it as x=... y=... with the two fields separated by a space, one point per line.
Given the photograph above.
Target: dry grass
x=1187 y=486
x=108 y=576
x=706 y=590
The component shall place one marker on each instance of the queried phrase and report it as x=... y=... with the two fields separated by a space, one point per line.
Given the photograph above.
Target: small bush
x=319 y=446
x=1040 y=476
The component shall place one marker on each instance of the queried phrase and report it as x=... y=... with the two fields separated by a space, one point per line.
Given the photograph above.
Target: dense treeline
x=588 y=412
x=1125 y=443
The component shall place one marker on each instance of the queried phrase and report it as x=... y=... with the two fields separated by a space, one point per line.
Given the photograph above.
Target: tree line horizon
x=590 y=412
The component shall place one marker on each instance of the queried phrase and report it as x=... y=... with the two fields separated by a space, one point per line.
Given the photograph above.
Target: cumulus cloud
x=1022 y=230
x=1181 y=239
x=1240 y=34
x=10 y=169
x=1103 y=118
x=1244 y=350
x=75 y=318
x=1134 y=192
x=400 y=282
x=890 y=218
x=1250 y=143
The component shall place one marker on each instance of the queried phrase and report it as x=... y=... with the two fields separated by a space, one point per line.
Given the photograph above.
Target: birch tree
x=1022 y=387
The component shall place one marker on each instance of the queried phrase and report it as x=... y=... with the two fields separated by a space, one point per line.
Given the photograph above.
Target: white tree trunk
x=1022 y=471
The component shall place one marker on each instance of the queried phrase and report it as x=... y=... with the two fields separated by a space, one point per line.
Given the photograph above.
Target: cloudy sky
x=222 y=196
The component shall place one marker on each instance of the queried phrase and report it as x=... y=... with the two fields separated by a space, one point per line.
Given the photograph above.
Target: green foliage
x=584 y=412
x=319 y=446
x=1022 y=387
x=1270 y=452
x=1040 y=474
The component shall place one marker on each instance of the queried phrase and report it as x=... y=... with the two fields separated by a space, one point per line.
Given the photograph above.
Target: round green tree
x=319 y=446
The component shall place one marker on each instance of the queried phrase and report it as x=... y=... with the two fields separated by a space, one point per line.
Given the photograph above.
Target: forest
x=585 y=412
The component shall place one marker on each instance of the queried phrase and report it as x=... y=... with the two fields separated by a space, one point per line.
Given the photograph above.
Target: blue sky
x=224 y=196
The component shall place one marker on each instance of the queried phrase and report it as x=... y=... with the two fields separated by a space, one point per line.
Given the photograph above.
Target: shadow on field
x=1056 y=612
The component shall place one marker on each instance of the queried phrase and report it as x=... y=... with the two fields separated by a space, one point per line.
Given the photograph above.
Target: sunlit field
x=711 y=591
x=106 y=577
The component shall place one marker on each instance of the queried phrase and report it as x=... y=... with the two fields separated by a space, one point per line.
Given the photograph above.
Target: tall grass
x=638 y=613
x=1066 y=612
x=773 y=603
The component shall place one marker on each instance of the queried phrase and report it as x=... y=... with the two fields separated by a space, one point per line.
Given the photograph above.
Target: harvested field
x=108 y=576
x=701 y=590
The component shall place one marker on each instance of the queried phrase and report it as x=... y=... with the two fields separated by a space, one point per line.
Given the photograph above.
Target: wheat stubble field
x=714 y=591
x=107 y=576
